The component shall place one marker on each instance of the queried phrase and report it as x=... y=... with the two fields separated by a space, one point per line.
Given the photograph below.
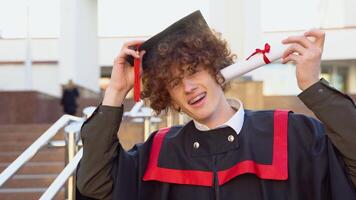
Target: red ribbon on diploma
x=263 y=51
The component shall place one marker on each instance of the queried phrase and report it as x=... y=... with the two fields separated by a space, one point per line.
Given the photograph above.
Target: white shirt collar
x=235 y=122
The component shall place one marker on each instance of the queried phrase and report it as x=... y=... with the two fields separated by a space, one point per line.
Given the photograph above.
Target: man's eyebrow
x=174 y=79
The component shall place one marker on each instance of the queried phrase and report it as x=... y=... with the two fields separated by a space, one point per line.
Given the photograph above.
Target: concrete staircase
x=32 y=180
x=35 y=176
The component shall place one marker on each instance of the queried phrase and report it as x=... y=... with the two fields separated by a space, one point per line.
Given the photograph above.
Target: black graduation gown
x=271 y=158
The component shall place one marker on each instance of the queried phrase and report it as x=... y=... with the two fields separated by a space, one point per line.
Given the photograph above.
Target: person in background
x=70 y=94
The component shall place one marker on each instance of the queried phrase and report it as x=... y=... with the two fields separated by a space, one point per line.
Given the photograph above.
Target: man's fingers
x=318 y=35
x=294 y=48
x=131 y=52
x=292 y=57
x=142 y=53
x=121 y=58
x=302 y=40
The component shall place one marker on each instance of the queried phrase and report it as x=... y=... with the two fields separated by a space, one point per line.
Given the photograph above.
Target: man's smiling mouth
x=197 y=99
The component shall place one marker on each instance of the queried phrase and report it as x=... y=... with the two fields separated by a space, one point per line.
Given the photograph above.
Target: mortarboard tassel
x=137 y=88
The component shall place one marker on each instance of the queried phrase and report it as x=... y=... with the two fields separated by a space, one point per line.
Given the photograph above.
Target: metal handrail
x=35 y=147
x=137 y=111
x=72 y=143
x=62 y=177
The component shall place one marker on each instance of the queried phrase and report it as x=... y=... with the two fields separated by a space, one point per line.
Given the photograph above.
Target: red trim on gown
x=277 y=170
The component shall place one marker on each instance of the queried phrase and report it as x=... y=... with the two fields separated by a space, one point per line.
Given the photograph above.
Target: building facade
x=44 y=63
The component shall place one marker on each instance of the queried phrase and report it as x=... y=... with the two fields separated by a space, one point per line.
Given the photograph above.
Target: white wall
x=12 y=77
x=78 y=43
x=240 y=21
x=142 y=17
x=339 y=45
x=45 y=78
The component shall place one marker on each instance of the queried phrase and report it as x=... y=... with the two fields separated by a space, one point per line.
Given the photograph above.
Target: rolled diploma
x=244 y=66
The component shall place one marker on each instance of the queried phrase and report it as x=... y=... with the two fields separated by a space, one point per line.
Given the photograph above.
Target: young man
x=225 y=152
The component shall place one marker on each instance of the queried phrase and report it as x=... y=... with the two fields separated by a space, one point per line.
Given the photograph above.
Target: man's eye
x=194 y=69
x=191 y=70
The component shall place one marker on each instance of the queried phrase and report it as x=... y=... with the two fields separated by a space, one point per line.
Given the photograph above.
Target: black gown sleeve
x=316 y=167
x=101 y=148
x=337 y=112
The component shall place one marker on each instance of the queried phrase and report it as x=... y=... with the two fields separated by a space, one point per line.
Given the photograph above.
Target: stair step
x=22 y=136
x=42 y=155
x=26 y=194
x=23 y=127
x=8 y=146
x=33 y=179
x=38 y=167
x=12 y=146
x=28 y=180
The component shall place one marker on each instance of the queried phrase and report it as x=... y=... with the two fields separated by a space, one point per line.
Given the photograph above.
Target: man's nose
x=189 y=85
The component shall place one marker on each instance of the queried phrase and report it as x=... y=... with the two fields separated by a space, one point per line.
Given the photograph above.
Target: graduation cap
x=183 y=27
x=190 y=24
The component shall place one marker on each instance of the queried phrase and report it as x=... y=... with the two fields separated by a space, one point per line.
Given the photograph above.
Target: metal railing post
x=71 y=140
x=147 y=127
x=169 y=119
x=70 y=150
x=181 y=119
x=61 y=179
